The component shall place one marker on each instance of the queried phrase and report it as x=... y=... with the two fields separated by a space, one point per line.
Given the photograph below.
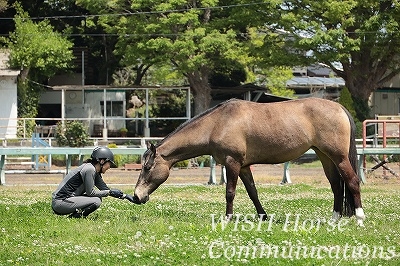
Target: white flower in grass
x=138 y=234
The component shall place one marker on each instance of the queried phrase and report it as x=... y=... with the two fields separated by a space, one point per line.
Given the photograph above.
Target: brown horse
x=240 y=133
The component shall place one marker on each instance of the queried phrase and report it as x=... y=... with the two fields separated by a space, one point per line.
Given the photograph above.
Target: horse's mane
x=197 y=117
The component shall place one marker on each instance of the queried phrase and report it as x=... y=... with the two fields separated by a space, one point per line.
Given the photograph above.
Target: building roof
x=319 y=70
x=4 y=68
x=315 y=82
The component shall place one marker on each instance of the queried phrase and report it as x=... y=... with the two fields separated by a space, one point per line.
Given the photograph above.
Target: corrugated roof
x=314 y=82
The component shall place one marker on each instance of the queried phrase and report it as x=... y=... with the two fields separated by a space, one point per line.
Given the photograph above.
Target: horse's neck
x=183 y=145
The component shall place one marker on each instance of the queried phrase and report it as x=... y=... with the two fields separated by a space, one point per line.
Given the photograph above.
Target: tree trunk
x=24 y=74
x=361 y=87
x=360 y=93
x=362 y=79
x=201 y=90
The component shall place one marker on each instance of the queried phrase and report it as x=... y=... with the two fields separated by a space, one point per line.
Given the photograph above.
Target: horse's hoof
x=335 y=217
x=360 y=214
x=360 y=223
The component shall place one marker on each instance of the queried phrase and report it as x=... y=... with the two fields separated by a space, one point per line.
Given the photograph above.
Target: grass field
x=181 y=225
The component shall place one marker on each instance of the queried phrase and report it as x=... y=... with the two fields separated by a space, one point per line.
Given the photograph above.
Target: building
x=8 y=99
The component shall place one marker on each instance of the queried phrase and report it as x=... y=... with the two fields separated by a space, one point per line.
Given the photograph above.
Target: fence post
x=212 y=180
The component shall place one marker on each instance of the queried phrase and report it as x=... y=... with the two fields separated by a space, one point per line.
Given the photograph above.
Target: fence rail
x=66 y=151
x=8 y=125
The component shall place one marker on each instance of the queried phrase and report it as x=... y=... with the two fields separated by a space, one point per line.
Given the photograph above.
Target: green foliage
x=71 y=134
x=28 y=98
x=172 y=105
x=204 y=160
x=117 y=157
x=182 y=164
x=228 y=74
x=362 y=36
x=276 y=81
x=362 y=109
x=37 y=46
x=347 y=101
x=39 y=52
x=190 y=39
x=120 y=159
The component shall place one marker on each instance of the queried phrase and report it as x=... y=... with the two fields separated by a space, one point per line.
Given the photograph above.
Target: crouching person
x=81 y=191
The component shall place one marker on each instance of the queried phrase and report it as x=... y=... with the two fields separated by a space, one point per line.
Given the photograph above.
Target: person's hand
x=130 y=198
x=116 y=193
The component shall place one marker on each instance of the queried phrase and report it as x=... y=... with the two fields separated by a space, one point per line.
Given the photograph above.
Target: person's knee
x=97 y=202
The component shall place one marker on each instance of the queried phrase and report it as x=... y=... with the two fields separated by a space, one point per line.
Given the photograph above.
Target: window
x=113 y=108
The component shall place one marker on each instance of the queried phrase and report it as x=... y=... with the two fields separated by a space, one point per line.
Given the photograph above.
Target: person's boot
x=88 y=210
x=76 y=214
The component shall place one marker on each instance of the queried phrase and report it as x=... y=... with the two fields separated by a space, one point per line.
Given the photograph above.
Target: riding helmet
x=103 y=153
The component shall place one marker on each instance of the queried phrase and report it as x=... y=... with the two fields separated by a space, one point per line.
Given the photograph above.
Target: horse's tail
x=348 y=204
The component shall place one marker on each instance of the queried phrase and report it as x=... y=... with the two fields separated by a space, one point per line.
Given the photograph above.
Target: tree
x=39 y=52
x=35 y=46
x=359 y=40
x=276 y=81
x=195 y=37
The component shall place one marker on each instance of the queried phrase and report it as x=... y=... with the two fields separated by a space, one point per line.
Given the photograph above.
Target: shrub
x=205 y=159
x=182 y=164
x=72 y=134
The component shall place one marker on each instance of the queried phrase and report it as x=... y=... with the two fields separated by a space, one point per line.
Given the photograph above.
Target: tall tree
x=194 y=36
x=35 y=46
x=359 y=40
x=39 y=52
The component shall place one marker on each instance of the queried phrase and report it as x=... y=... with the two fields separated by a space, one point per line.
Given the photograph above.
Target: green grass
x=176 y=227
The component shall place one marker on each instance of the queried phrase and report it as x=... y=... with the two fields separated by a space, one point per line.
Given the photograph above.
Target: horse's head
x=155 y=171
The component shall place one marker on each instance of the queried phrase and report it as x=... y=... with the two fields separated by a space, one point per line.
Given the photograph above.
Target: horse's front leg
x=247 y=178
x=232 y=172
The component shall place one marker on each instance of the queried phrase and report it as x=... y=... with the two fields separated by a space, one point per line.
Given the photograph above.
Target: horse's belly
x=273 y=155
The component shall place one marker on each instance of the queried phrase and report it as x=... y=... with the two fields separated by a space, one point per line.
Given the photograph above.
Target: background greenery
x=203 y=42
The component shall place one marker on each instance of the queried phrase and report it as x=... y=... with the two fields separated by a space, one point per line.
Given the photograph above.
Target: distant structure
x=8 y=99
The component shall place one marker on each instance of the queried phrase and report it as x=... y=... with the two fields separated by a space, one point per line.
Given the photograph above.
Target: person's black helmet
x=103 y=153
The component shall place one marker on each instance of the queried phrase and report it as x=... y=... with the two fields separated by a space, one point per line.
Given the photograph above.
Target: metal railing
x=48 y=125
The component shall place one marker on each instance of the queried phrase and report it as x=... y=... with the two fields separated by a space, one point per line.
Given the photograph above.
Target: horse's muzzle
x=138 y=200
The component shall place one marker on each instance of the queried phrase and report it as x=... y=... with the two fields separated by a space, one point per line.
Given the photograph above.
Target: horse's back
x=283 y=130
x=308 y=110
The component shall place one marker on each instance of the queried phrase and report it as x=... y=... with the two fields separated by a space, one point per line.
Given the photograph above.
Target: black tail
x=348 y=204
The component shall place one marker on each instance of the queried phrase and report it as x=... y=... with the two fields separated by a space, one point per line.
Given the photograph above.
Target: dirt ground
x=263 y=174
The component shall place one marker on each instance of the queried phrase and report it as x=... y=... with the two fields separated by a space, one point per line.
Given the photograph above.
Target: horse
x=239 y=133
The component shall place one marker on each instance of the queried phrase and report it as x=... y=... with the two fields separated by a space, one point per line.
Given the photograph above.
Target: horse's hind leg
x=353 y=186
x=335 y=171
x=335 y=180
x=247 y=178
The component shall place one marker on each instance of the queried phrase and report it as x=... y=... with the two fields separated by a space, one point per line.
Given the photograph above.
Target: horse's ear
x=149 y=144
x=152 y=148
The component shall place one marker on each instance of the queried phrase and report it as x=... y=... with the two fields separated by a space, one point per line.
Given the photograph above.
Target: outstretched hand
x=116 y=193
x=130 y=198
